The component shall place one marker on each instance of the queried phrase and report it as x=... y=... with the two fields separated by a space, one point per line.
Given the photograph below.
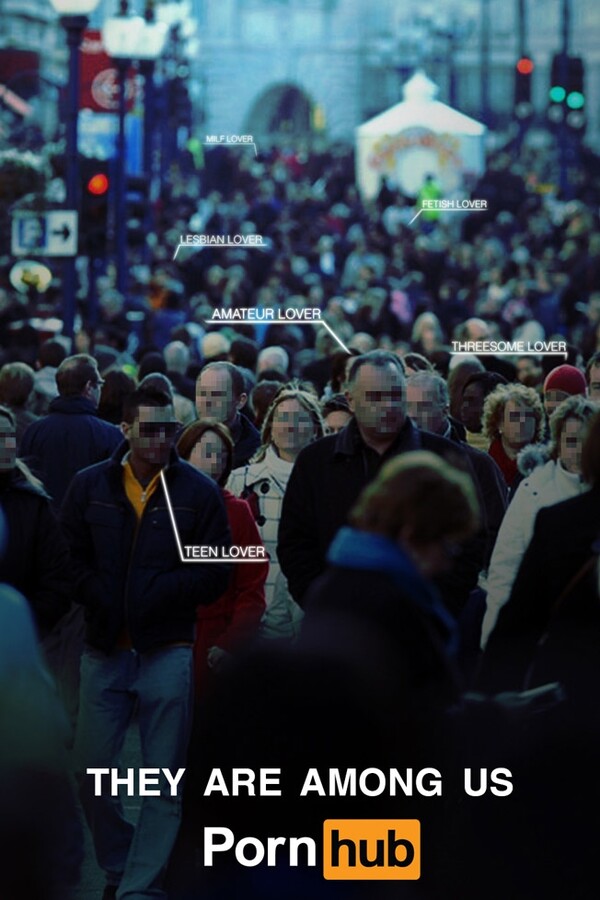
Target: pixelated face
x=209 y=455
x=471 y=408
x=518 y=424
x=552 y=400
x=214 y=396
x=152 y=433
x=425 y=409
x=336 y=420
x=8 y=445
x=571 y=444
x=378 y=400
x=292 y=427
x=594 y=385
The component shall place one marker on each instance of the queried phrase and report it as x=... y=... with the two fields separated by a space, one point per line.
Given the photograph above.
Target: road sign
x=45 y=233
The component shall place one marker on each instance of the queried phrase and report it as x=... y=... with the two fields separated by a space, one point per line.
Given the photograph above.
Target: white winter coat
x=547 y=484
x=269 y=479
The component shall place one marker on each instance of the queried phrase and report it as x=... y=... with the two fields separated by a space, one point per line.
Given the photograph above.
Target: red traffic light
x=98 y=184
x=525 y=66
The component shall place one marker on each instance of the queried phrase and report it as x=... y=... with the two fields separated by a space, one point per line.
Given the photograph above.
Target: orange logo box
x=371 y=849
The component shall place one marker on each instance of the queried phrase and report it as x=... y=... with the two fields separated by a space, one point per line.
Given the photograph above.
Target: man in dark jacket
x=221 y=395
x=127 y=520
x=329 y=475
x=71 y=436
x=429 y=408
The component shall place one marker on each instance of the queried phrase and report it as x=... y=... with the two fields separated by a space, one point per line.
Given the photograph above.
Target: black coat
x=492 y=491
x=246 y=441
x=564 y=538
x=129 y=574
x=326 y=480
x=378 y=624
x=36 y=557
x=67 y=440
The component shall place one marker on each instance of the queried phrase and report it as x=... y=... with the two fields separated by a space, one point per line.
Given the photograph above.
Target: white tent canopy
x=416 y=137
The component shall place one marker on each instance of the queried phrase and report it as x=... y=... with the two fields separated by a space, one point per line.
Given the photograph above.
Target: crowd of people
x=428 y=525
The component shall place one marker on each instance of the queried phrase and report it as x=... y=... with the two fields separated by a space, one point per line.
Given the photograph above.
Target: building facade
x=266 y=66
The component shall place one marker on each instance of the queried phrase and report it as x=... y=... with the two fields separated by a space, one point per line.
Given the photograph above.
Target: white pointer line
x=204 y=246
x=439 y=209
x=334 y=335
x=286 y=322
x=178 y=539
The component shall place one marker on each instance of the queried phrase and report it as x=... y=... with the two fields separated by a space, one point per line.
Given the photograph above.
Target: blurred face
x=424 y=408
x=571 y=443
x=594 y=385
x=8 y=445
x=151 y=435
x=471 y=408
x=336 y=420
x=552 y=400
x=518 y=424
x=214 y=396
x=378 y=400
x=429 y=336
x=292 y=428
x=528 y=372
x=209 y=455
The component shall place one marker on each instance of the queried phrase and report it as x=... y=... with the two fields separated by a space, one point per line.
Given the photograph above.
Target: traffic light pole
x=485 y=61
x=120 y=200
x=147 y=67
x=564 y=183
x=74 y=27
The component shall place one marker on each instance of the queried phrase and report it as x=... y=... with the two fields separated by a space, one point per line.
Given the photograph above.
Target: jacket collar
x=120 y=452
x=350 y=443
x=73 y=406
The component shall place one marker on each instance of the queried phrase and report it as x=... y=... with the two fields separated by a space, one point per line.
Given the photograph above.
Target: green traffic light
x=575 y=100
x=557 y=93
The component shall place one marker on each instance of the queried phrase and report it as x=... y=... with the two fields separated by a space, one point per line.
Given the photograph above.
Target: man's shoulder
x=248 y=424
x=322 y=450
x=97 y=470
x=481 y=460
x=441 y=445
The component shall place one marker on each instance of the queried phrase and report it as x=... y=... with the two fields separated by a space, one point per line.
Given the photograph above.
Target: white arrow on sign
x=52 y=233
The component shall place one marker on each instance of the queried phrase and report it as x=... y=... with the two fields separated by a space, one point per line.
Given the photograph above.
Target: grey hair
x=379 y=359
x=431 y=379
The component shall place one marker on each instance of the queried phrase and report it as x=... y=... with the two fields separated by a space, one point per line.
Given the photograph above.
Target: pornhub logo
x=376 y=849
x=353 y=849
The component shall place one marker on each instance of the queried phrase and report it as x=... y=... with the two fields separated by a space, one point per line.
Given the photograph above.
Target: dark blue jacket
x=67 y=440
x=130 y=575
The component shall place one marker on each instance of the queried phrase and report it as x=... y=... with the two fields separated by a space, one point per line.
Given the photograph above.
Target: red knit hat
x=565 y=378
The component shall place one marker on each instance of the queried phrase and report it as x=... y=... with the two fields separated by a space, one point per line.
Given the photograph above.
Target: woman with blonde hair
x=513 y=417
x=292 y=421
x=553 y=474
